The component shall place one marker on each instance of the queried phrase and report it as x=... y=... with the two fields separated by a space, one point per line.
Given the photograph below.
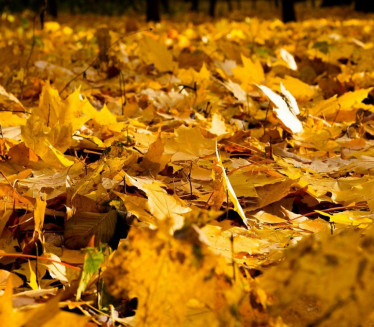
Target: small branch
x=232 y=257
x=188 y=177
x=49 y=114
x=189 y=180
x=207 y=202
x=10 y=184
x=19 y=255
x=331 y=209
x=123 y=92
x=227 y=203
x=194 y=88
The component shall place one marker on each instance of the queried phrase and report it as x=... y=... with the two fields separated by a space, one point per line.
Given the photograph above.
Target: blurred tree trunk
x=330 y=3
x=52 y=8
x=229 y=5
x=288 y=11
x=165 y=4
x=254 y=4
x=195 y=5
x=364 y=5
x=212 y=8
x=152 y=11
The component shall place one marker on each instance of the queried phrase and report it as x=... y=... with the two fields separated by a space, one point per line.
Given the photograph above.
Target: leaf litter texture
x=221 y=144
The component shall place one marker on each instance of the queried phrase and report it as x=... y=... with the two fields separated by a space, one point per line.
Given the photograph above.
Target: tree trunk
x=152 y=11
x=165 y=5
x=288 y=11
x=364 y=5
x=254 y=4
x=195 y=5
x=229 y=5
x=330 y=3
x=212 y=8
x=52 y=8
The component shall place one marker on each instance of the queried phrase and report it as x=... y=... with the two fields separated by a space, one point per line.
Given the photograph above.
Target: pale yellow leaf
x=226 y=182
x=39 y=213
x=154 y=52
x=32 y=281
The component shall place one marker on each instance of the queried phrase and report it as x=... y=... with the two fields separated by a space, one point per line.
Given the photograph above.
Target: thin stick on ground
x=29 y=256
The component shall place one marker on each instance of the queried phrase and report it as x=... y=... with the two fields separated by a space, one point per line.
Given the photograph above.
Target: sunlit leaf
x=283 y=110
x=230 y=190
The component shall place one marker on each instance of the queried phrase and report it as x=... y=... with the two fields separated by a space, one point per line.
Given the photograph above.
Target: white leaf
x=55 y=269
x=236 y=90
x=288 y=58
x=282 y=110
x=291 y=101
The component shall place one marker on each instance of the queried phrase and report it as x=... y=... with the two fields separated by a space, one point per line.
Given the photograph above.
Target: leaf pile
x=220 y=144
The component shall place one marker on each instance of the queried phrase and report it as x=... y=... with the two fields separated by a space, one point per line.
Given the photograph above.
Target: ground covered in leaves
x=228 y=165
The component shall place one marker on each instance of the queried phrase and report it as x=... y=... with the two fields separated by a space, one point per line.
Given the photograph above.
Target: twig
x=10 y=184
x=330 y=209
x=189 y=180
x=188 y=177
x=194 y=88
x=19 y=255
x=232 y=257
x=207 y=202
x=36 y=266
x=227 y=203
x=123 y=92
x=49 y=114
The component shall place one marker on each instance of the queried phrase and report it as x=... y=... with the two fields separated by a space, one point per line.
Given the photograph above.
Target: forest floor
x=190 y=172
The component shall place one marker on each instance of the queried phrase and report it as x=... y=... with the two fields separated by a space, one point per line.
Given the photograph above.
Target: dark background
x=155 y=9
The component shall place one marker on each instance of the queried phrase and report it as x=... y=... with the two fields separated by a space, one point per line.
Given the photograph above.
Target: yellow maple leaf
x=50 y=127
x=11 y=119
x=251 y=73
x=103 y=116
x=300 y=90
x=189 y=144
x=347 y=102
x=154 y=52
x=190 y=76
x=160 y=204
